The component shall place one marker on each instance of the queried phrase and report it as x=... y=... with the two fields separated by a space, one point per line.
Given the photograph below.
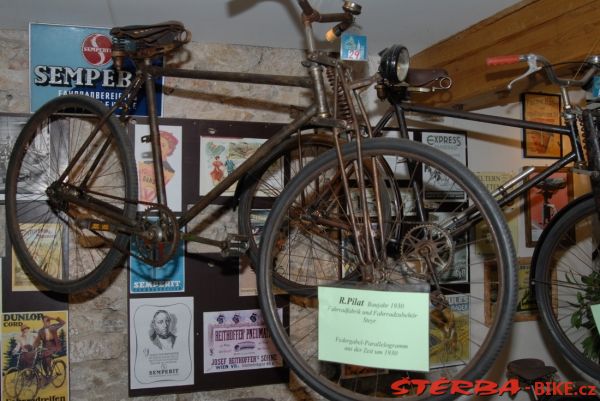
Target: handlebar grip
x=501 y=60
x=331 y=36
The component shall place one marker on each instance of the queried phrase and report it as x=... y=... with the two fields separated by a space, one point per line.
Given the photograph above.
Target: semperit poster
x=161 y=342
x=66 y=59
x=37 y=341
x=238 y=340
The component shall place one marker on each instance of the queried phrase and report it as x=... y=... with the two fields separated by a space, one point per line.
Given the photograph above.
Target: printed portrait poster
x=238 y=340
x=32 y=340
x=171 y=145
x=67 y=59
x=438 y=186
x=169 y=277
x=161 y=342
x=220 y=156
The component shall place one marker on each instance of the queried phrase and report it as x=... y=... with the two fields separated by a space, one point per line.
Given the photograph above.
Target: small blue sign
x=166 y=278
x=596 y=87
x=353 y=47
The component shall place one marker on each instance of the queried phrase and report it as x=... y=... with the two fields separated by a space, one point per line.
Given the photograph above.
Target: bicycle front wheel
x=59 y=373
x=28 y=384
x=567 y=283
x=71 y=181
x=426 y=240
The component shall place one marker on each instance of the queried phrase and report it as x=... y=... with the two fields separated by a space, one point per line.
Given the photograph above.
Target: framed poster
x=527 y=308
x=542 y=108
x=436 y=185
x=10 y=128
x=161 y=342
x=544 y=200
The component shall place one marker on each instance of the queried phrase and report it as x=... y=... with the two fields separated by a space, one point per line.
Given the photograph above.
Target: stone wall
x=98 y=320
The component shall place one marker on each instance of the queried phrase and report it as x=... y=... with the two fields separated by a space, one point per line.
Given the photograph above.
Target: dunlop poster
x=34 y=351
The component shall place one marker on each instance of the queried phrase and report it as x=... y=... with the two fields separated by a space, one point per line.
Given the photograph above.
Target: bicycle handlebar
x=344 y=19
x=537 y=62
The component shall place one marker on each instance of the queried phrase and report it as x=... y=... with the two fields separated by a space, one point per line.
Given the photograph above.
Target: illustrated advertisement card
x=449 y=333
x=32 y=340
x=238 y=340
x=368 y=328
x=161 y=340
x=219 y=157
x=171 y=144
x=48 y=240
x=438 y=186
x=492 y=180
x=169 y=277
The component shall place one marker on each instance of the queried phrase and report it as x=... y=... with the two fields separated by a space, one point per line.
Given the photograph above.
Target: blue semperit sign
x=77 y=60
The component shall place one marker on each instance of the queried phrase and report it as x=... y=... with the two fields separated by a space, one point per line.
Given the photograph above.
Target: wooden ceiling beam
x=560 y=30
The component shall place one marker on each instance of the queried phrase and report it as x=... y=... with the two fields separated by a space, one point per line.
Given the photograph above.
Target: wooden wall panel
x=560 y=30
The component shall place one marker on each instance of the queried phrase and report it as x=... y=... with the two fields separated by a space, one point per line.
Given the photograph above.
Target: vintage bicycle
x=72 y=204
x=24 y=381
x=421 y=246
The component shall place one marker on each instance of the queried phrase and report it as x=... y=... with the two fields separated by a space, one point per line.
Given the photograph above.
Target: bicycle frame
x=504 y=194
x=318 y=115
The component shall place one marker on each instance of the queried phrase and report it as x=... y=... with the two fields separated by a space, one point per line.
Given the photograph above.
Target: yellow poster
x=35 y=363
x=45 y=243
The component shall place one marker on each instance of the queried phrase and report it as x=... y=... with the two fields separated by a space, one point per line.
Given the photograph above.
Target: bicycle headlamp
x=394 y=64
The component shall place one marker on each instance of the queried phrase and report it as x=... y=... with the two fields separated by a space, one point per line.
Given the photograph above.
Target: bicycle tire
x=28 y=384
x=10 y=382
x=294 y=330
x=560 y=262
x=59 y=373
x=48 y=237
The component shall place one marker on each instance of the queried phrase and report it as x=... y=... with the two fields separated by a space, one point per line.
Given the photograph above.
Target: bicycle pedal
x=235 y=245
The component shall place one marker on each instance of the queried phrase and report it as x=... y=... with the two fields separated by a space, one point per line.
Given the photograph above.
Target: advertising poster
x=2 y=233
x=238 y=340
x=170 y=142
x=169 y=277
x=449 y=331
x=77 y=60
x=161 y=342
x=220 y=156
x=35 y=341
x=48 y=240
x=10 y=127
x=493 y=180
x=439 y=187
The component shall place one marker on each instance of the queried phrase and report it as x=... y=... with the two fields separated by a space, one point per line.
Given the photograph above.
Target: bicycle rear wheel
x=310 y=225
x=63 y=224
x=567 y=283
x=10 y=382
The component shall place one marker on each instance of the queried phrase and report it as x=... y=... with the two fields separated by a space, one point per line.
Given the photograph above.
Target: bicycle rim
x=27 y=384
x=567 y=283
x=479 y=303
x=62 y=244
